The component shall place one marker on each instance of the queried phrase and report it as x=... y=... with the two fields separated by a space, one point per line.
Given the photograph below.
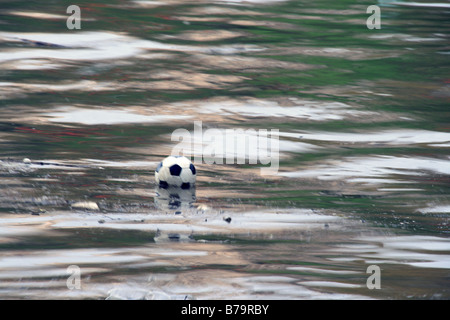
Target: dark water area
x=364 y=137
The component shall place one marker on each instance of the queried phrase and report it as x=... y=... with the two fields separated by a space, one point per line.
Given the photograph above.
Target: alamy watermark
x=374 y=280
x=374 y=21
x=74 y=21
x=229 y=146
x=73 y=282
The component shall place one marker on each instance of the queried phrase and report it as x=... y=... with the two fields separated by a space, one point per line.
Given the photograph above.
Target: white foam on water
x=179 y=253
x=440 y=145
x=40 y=15
x=417 y=251
x=49 y=272
x=149 y=3
x=303 y=109
x=193 y=221
x=106 y=116
x=373 y=169
x=222 y=285
x=276 y=287
x=331 y=284
x=422 y=5
x=388 y=137
x=7 y=233
x=403 y=37
x=399 y=189
x=249 y=1
x=94 y=46
x=277 y=219
x=415 y=242
x=319 y=270
x=436 y=209
x=82 y=46
x=31 y=64
x=15 y=227
x=84 y=85
x=120 y=164
x=39 y=259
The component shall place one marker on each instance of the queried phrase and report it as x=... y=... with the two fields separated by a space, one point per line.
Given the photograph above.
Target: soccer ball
x=175 y=171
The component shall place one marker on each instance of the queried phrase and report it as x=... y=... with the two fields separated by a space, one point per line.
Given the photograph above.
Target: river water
x=364 y=137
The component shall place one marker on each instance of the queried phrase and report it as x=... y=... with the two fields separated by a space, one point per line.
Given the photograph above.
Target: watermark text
x=229 y=146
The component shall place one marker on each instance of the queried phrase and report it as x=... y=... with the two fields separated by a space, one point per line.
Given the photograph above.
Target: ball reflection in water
x=174 y=199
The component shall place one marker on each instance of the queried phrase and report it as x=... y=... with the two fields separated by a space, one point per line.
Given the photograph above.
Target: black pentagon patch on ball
x=175 y=170
x=185 y=185
x=192 y=168
x=159 y=167
x=163 y=184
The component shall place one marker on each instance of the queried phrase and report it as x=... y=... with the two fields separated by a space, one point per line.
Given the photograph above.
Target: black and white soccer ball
x=176 y=171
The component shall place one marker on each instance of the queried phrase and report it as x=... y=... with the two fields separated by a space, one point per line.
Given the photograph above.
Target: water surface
x=364 y=150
